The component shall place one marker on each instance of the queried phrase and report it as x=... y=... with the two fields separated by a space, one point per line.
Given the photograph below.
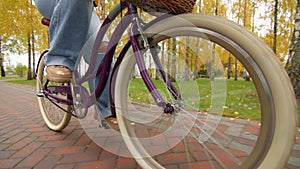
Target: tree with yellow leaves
x=21 y=31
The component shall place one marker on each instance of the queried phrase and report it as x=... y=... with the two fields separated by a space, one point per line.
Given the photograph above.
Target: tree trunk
x=169 y=58
x=235 y=70
x=212 y=66
x=33 y=54
x=1 y=60
x=29 y=74
x=187 y=72
x=247 y=78
x=212 y=63
x=29 y=41
x=196 y=60
x=275 y=26
x=293 y=64
x=173 y=67
x=162 y=61
x=229 y=68
x=197 y=48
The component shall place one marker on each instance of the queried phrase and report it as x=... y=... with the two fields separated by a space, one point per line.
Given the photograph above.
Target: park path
x=25 y=141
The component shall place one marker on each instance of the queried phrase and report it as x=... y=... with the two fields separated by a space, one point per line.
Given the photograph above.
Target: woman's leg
x=103 y=102
x=70 y=28
x=68 y=31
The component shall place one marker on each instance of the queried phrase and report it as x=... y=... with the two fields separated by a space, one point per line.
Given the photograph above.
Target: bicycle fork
x=135 y=38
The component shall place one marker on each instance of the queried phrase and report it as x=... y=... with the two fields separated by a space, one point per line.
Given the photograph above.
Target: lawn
x=22 y=81
x=18 y=80
x=241 y=97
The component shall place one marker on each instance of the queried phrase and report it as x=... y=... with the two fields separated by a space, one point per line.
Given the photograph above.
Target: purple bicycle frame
x=104 y=68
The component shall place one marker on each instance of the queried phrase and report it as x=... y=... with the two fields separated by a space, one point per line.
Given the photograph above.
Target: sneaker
x=59 y=74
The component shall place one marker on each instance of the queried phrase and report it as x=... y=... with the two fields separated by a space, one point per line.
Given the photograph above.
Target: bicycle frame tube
x=60 y=89
x=105 y=66
x=129 y=17
x=104 y=69
x=142 y=67
x=99 y=38
x=88 y=99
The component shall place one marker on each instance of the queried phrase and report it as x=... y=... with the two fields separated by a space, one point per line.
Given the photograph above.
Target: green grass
x=23 y=82
x=241 y=98
x=13 y=77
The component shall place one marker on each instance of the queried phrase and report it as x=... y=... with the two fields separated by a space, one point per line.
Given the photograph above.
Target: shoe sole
x=58 y=78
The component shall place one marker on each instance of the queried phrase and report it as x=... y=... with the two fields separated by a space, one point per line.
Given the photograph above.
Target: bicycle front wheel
x=218 y=123
x=52 y=111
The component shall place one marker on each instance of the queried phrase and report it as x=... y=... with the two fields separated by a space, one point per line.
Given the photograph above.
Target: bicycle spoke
x=212 y=140
x=210 y=127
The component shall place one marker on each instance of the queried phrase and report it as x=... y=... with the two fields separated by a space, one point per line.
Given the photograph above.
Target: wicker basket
x=165 y=6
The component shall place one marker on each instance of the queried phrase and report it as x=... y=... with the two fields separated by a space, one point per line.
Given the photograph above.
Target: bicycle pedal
x=40 y=94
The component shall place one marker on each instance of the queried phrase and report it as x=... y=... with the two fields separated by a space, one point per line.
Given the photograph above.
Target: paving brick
x=172 y=166
x=245 y=141
x=107 y=155
x=4 y=146
x=11 y=132
x=34 y=158
x=199 y=154
x=64 y=166
x=50 y=138
x=83 y=140
x=97 y=165
x=93 y=147
x=22 y=143
x=67 y=150
x=27 y=150
x=7 y=126
x=174 y=158
x=225 y=159
x=48 y=162
x=38 y=129
x=6 y=154
x=201 y=164
x=74 y=135
x=9 y=163
x=26 y=142
x=58 y=143
x=44 y=131
x=78 y=157
x=126 y=163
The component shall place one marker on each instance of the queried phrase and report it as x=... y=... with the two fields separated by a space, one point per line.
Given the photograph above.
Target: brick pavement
x=25 y=141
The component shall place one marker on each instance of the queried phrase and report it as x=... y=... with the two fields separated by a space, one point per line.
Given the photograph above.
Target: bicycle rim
x=55 y=118
x=246 y=129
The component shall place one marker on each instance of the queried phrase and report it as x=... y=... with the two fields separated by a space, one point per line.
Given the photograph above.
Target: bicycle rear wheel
x=54 y=116
x=219 y=123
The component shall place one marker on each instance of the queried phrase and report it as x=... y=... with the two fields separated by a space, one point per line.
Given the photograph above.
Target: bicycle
x=171 y=120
